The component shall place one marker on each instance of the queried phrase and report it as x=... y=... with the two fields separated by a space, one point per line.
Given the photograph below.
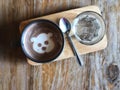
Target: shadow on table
x=10 y=49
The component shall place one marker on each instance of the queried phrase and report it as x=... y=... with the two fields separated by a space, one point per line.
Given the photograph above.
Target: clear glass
x=88 y=27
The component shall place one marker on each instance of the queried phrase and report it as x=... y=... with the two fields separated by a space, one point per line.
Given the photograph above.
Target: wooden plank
x=111 y=13
x=17 y=74
x=70 y=15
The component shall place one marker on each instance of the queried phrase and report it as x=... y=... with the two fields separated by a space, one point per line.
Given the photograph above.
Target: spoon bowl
x=65 y=25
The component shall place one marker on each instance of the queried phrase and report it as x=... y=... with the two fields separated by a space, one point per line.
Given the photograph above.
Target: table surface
x=16 y=74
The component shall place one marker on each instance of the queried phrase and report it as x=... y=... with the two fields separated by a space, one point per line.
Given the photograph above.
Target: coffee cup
x=42 y=41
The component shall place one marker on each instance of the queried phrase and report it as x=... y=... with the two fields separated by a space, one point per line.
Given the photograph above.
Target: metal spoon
x=65 y=26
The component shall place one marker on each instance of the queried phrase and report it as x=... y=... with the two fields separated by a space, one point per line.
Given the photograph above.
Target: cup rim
x=99 y=15
x=22 y=45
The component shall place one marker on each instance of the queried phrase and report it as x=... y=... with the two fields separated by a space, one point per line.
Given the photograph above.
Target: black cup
x=42 y=41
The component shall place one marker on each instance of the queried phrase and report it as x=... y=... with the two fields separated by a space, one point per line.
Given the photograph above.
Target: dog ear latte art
x=43 y=43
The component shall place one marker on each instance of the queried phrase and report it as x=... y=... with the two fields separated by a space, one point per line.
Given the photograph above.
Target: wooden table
x=16 y=74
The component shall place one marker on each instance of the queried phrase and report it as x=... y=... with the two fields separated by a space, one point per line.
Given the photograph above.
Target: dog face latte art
x=43 y=43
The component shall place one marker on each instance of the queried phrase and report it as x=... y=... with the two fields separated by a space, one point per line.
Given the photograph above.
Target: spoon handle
x=75 y=51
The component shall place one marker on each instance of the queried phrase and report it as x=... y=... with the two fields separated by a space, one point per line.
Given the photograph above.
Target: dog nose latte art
x=43 y=43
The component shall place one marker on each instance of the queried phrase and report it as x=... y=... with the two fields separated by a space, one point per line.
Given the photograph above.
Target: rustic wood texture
x=70 y=15
x=16 y=74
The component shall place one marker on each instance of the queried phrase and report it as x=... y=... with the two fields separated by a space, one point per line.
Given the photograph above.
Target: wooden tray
x=70 y=15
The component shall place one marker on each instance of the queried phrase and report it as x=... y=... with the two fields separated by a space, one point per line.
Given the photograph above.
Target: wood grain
x=16 y=74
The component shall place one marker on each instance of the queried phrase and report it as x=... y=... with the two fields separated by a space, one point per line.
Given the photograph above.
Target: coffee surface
x=42 y=41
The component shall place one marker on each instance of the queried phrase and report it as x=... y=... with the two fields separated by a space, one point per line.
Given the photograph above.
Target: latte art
x=43 y=43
